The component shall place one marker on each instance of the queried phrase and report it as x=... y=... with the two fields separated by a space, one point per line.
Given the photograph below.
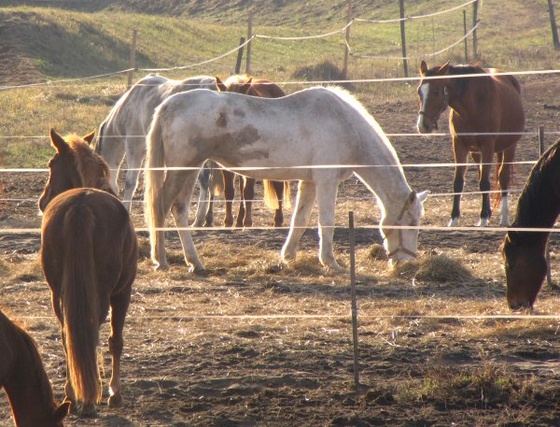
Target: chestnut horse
x=25 y=381
x=524 y=252
x=486 y=118
x=89 y=256
x=275 y=192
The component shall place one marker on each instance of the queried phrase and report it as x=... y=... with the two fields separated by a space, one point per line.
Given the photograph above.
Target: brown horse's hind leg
x=278 y=214
x=229 y=194
x=247 y=190
x=119 y=306
x=485 y=166
x=458 y=182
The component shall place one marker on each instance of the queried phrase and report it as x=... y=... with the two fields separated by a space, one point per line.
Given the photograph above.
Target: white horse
x=318 y=136
x=123 y=132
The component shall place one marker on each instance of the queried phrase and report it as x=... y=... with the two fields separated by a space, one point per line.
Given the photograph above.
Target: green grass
x=65 y=44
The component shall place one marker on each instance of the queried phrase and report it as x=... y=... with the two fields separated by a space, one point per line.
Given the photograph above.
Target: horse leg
x=248 y=192
x=180 y=211
x=204 y=198
x=326 y=200
x=485 y=167
x=504 y=176
x=119 y=307
x=229 y=194
x=458 y=181
x=135 y=154
x=300 y=219
x=278 y=213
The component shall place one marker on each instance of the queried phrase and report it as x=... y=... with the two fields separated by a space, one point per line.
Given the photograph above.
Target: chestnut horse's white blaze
x=123 y=131
x=318 y=136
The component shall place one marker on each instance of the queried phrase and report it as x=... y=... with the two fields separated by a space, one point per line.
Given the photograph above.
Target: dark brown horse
x=524 y=252
x=486 y=118
x=276 y=193
x=25 y=381
x=89 y=257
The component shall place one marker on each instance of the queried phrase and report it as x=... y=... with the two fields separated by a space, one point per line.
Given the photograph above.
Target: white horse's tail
x=154 y=176
x=271 y=198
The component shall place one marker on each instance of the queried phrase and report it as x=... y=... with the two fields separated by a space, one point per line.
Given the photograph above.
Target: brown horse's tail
x=271 y=198
x=154 y=177
x=80 y=304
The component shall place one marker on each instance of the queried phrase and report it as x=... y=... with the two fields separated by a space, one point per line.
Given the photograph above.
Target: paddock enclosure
x=256 y=344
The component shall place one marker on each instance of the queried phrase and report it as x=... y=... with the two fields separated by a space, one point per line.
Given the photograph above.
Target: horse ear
x=89 y=137
x=423 y=196
x=58 y=142
x=62 y=410
x=444 y=69
x=220 y=85
x=423 y=68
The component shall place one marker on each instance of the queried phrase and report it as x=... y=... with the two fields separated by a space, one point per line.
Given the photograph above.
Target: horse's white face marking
x=423 y=91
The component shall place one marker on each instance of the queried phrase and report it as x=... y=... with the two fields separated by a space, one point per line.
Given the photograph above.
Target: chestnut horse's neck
x=539 y=202
x=464 y=93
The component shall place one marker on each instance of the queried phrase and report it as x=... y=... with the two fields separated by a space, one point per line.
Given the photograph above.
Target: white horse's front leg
x=180 y=211
x=300 y=219
x=326 y=201
x=135 y=153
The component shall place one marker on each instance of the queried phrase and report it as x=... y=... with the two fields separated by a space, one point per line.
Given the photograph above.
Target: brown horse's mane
x=243 y=83
x=91 y=166
x=539 y=202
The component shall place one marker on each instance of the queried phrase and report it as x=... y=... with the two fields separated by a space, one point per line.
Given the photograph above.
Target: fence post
x=354 y=301
x=553 y=25
x=132 y=64
x=249 y=37
x=239 y=56
x=403 y=38
x=465 y=33
x=347 y=39
x=475 y=23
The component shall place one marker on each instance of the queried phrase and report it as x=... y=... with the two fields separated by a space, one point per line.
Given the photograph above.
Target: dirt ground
x=253 y=344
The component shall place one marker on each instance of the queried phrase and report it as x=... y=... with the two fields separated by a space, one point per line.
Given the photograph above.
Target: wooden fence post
x=132 y=64
x=354 y=301
x=403 y=38
x=347 y=39
x=553 y=25
x=249 y=37
x=475 y=23
x=239 y=56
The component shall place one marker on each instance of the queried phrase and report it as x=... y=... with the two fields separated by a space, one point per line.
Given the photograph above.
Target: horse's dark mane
x=539 y=202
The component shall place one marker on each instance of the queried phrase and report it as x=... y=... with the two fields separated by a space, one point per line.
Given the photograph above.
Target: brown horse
x=275 y=192
x=25 y=381
x=524 y=252
x=89 y=256
x=486 y=118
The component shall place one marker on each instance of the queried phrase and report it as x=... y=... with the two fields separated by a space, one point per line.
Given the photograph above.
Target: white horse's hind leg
x=180 y=211
x=204 y=198
x=135 y=153
x=300 y=219
x=326 y=200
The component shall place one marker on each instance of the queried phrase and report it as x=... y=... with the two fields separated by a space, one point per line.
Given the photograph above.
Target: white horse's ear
x=423 y=196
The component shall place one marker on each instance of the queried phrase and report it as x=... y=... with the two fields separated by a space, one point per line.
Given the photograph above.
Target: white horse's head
x=400 y=231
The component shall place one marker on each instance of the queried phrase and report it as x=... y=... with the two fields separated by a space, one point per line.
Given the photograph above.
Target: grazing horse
x=124 y=132
x=524 y=252
x=89 y=256
x=318 y=136
x=274 y=191
x=486 y=118
x=25 y=381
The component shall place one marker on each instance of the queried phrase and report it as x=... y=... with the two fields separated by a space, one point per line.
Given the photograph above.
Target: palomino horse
x=486 y=118
x=25 y=381
x=524 y=252
x=89 y=256
x=124 y=132
x=318 y=136
x=274 y=191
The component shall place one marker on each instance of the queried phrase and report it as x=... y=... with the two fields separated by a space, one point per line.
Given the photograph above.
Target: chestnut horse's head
x=434 y=97
x=74 y=165
x=525 y=266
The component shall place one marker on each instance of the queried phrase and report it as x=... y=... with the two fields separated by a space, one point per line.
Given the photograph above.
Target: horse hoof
x=482 y=223
x=115 y=401
x=162 y=266
x=202 y=272
x=87 y=410
x=453 y=223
